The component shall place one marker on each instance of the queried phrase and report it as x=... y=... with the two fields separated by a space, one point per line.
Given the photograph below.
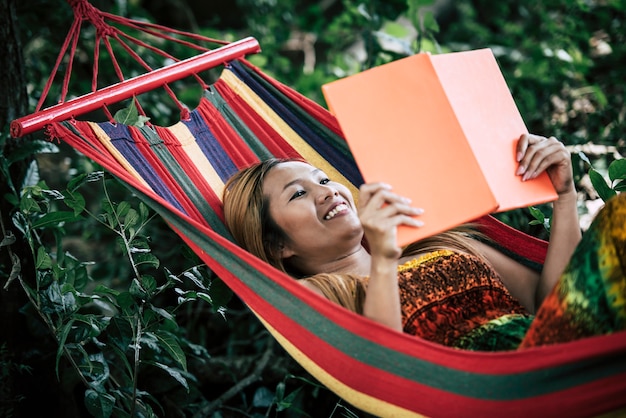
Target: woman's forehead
x=291 y=168
x=287 y=173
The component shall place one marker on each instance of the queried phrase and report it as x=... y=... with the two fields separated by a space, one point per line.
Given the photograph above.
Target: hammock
x=246 y=116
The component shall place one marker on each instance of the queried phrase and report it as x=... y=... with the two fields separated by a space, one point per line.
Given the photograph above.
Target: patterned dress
x=458 y=300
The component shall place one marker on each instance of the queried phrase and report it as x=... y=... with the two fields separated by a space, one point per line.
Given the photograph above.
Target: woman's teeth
x=335 y=211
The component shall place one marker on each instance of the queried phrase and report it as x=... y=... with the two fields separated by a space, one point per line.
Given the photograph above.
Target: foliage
x=141 y=337
x=617 y=176
x=109 y=337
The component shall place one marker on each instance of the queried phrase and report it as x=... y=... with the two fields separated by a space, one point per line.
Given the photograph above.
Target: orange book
x=441 y=130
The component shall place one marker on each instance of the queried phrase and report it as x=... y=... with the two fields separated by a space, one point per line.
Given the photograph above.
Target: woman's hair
x=247 y=215
x=461 y=238
x=346 y=290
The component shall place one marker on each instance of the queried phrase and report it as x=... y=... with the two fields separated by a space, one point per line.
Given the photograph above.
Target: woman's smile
x=339 y=209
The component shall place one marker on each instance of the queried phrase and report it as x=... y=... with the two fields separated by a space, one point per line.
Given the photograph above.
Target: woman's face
x=317 y=215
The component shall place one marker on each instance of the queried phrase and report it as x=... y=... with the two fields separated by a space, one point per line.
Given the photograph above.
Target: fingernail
x=519 y=156
x=419 y=223
x=418 y=211
x=520 y=170
x=525 y=177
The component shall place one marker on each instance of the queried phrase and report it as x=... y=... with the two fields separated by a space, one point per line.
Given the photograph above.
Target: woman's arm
x=380 y=212
x=537 y=154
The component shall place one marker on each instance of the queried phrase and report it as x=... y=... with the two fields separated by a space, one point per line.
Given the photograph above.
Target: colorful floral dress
x=458 y=300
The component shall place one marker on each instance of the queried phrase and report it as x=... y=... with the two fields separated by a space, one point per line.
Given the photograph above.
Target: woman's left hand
x=537 y=154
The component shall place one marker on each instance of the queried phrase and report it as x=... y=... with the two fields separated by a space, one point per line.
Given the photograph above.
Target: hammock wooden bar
x=132 y=87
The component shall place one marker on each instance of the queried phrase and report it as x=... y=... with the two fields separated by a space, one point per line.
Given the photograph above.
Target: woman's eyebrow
x=298 y=180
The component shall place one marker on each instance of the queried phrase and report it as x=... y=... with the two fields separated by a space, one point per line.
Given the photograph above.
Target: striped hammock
x=247 y=116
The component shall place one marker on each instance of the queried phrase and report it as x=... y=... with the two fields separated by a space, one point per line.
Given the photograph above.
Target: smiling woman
x=453 y=288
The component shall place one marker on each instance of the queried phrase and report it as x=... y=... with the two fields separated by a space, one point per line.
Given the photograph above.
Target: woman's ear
x=285 y=252
x=281 y=251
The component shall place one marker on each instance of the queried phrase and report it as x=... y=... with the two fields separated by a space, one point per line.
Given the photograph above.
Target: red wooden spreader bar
x=133 y=86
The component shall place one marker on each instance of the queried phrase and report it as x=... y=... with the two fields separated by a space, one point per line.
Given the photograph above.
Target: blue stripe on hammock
x=210 y=146
x=124 y=143
x=299 y=125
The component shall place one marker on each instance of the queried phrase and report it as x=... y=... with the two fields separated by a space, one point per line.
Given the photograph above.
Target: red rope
x=84 y=11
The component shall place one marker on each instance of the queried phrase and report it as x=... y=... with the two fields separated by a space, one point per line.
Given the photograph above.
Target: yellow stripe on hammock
x=361 y=400
x=284 y=130
x=190 y=146
x=108 y=144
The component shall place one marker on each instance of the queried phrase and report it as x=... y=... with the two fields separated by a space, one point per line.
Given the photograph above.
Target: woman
x=454 y=288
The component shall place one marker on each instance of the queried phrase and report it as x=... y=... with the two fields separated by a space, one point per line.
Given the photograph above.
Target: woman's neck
x=355 y=262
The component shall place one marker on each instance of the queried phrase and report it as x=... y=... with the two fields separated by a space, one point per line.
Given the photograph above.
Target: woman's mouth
x=336 y=210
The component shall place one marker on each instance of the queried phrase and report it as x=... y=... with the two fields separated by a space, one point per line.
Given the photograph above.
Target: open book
x=441 y=130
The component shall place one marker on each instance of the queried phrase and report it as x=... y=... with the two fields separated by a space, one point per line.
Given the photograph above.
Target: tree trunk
x=14 y=339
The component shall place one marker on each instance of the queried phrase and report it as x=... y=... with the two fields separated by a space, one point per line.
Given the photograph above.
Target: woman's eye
x=297 y=194
x=325 y=181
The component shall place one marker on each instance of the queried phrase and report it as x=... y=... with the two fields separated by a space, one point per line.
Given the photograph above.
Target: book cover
x=441 y=129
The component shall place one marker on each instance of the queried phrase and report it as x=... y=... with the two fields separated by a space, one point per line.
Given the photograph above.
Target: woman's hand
x=381 y=212
x=536 y=154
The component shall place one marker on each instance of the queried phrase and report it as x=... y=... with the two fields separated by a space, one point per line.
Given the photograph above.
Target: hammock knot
x=52 y=133
x=83 y=10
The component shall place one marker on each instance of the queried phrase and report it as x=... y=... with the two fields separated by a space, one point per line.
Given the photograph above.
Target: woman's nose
x=326 y=192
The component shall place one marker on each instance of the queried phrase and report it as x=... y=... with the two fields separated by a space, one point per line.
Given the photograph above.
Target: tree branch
x=242 y=384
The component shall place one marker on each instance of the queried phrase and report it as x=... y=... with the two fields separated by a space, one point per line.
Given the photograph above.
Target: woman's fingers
x=537 y=154
x=378 y=205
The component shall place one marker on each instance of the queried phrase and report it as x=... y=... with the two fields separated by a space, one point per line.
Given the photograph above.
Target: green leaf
x=147 y=259
x=598 y=182
x=537 y=214
x=617 y=170
x=162 y=312
x=122 y=209
x=75 y=201
x=170 y=343
x=43 y=259
x=62 y=334
x=137 y=290
x=119 y=333
x=148 y=283
x=430 y=23
x=195 y=276
x=126 y=302
x=620 y=187
x=99 y=404
x=177 y=375
x=128 y=115
x=131 y=218
x=97 y=370
x=55 y=219
x=263 y=398
x=287 y=401
x=30 y=205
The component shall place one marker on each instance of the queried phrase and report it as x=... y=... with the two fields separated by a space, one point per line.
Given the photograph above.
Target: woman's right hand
x=381 y=212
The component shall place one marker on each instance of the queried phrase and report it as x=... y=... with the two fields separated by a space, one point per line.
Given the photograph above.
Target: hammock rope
x=246 y=116
x=127 y=88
